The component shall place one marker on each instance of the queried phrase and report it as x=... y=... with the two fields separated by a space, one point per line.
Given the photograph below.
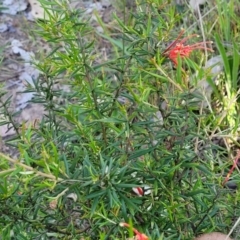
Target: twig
x=234 y=226
x=26 y=167
x=232 y=168
x=165 y=75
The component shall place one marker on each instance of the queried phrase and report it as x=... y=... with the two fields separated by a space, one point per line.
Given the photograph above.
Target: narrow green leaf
x=96 y=194
x=235 y=67
x=141 y=152
x=225 y=61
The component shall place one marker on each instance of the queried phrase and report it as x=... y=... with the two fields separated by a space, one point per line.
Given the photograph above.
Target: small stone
x=213 y=236
x=195 y=3
x=3 y=27
x=14 y=6
x=231 y=185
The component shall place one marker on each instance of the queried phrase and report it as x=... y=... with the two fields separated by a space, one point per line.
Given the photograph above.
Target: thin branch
x=235 y=162
x=165 y=75
x=234 y=226
x=26 y=167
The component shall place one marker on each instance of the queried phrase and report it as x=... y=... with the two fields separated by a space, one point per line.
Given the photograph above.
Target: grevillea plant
x=123 y=138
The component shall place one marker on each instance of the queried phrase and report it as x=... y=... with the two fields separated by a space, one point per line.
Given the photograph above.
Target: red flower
x=139 y=191
x=178 y=48
x=139 y=236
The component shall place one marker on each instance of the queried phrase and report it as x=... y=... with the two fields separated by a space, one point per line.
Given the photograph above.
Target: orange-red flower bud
x=139 y=236
x=177 y=48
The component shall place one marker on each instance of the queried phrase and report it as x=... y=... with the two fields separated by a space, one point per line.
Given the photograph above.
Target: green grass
x=130 y=120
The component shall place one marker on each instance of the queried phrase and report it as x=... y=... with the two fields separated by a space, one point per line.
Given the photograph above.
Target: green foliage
x=115 y=124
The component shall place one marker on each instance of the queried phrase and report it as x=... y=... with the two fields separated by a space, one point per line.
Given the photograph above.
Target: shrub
x=128 y=123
